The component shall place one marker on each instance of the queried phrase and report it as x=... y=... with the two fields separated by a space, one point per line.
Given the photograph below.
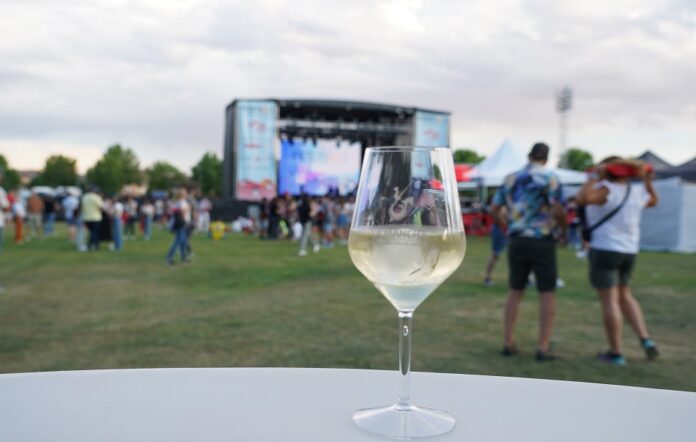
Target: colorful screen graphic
x=318 y=168
x=432 y=129
x=256 y=138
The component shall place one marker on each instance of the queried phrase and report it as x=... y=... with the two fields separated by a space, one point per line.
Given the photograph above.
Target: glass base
x=404 y=423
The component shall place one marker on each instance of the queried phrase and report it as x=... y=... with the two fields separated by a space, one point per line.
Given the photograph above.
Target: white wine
x=406 y=263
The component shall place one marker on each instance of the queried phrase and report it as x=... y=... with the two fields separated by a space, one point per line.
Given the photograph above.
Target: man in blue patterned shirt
x=533 y=199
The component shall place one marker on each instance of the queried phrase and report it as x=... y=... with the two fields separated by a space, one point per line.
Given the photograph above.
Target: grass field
x=246 y=302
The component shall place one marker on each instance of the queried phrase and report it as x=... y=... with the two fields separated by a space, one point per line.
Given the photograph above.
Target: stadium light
x=564 y=102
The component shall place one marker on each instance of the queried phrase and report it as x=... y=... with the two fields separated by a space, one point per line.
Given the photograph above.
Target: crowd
x=531 y=216
x=94 y=219
x=313 y=221
x=530 y=212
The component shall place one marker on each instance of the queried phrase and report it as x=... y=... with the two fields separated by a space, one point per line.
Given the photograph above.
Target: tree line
x=119 y=166
x=574 y=158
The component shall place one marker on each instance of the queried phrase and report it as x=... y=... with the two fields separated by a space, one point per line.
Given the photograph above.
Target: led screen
x=318 y=166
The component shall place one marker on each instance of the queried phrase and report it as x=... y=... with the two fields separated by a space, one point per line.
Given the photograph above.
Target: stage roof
x=343 y=106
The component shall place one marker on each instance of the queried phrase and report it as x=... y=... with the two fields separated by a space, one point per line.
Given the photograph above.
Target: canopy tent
x=507 y=159
x=669 y=225
x=686 y=171
x=495 y=167
x=657 y=163
x=463 y=172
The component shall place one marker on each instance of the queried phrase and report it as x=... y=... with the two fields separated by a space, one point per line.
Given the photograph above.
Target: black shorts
x=532 y=254
x=609 y=269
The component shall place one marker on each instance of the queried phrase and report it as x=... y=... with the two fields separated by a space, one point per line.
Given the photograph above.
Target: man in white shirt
x=613 y=215
x=117 y=209
x=4 y=207
x=204 y=207
x=148 y=212
x=70 y=205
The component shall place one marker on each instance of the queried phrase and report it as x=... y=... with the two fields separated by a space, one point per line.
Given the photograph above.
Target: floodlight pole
x=564 y=102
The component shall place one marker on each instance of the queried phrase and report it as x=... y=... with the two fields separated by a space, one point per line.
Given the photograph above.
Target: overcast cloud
x=78 y=75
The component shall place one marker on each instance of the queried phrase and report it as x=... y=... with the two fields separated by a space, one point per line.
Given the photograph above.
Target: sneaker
x=611 y=358
x=650 y=348
x=509 y=350
x=544 y=356
x=488 y=282
x=170 y=262
x=302 y=253
x=316 y=248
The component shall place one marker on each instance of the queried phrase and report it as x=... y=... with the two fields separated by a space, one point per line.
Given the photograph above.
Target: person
x=18 y=215
x=612 y=201
x=159 y=212
x=49 y=216
x=345 y=212
x=180 y=220
x=529 y=205
x=573 y=222
x=498 y=242
x=317 y=214
x=204 y=208
x=148 y=213
x=304 y=214
x=193 y=220
x=81 y=226
x=288 y=214
x=70 y=204
x=264 y=210
x=105 y=228
x=274 y=218
x=116 y=211
x=329 y=209
x=35 y=208
x=92 y=204
x=130 y=208
x=4 y=207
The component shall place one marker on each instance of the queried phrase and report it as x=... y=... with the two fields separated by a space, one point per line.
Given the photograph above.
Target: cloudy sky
x=78 y=75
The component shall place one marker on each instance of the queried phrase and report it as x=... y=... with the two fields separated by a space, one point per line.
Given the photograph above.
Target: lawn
x=247 y=302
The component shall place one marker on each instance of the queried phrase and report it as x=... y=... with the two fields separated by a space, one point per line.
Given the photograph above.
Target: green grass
x=246 y=302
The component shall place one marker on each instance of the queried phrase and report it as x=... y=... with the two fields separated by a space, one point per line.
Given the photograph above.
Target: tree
x=577 y=159
x=119 y=166
x=467 y=156
x=58 y=171
x=207 y=174
x=164 y=176
x=10 y=177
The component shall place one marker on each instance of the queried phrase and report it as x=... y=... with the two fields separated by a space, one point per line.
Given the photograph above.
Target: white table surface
x=285 y=404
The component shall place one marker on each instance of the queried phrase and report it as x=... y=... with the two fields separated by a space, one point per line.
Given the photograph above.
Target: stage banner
x=432 y=129
x=318 y=167
x=256 y=138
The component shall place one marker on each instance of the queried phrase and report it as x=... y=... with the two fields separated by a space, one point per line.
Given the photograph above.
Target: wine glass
x=406 y=237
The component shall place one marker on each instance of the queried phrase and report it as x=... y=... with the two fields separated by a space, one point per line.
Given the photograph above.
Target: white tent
x=508 y=158
x=495 y=167
x=669 y=226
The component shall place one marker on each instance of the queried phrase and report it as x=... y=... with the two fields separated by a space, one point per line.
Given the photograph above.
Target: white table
x=281 y=404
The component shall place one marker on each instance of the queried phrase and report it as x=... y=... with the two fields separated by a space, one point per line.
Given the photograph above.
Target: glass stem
x=405 y=332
